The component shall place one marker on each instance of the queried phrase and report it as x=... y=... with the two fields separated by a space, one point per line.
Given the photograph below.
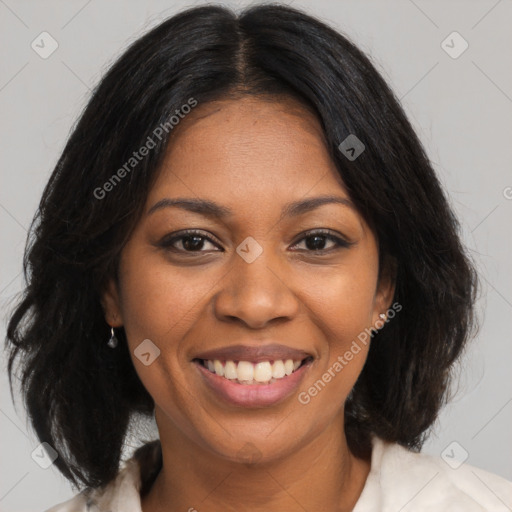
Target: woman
x=245 y=238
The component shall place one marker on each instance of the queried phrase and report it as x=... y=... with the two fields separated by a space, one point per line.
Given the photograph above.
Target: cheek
x=158 y=300
x=160 y=303
x=342 y=299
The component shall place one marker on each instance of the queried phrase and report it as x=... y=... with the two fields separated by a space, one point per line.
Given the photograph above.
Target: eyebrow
x=211 y=209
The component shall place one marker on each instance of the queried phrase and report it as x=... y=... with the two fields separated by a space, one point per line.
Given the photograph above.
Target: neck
x=321 y=475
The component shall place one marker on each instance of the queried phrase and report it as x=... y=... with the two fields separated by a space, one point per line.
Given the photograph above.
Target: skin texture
x=252 y=156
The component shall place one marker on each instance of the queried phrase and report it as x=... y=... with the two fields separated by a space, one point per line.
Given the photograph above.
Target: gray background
x=461 y=108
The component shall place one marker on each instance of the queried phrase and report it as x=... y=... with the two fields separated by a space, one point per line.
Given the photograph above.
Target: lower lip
x=253 y=395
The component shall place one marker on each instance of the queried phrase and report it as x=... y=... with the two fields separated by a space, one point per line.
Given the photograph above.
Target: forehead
x=251 y=147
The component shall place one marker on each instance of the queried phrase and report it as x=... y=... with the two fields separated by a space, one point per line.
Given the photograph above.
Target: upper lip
x=254 y=354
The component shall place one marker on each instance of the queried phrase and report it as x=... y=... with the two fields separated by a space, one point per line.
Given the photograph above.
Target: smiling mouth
x=248 y=373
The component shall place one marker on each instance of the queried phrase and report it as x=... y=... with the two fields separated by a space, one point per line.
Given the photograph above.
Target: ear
x=111 y=304
x=385 y=288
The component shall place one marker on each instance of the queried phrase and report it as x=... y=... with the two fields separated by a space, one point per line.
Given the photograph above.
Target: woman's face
x=248 y=285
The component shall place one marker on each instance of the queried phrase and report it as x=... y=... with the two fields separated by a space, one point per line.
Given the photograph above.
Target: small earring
x=112 y=342
x=383 y=316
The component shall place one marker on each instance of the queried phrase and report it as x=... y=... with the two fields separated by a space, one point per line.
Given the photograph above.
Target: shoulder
x=121 y=494
x=400 y=479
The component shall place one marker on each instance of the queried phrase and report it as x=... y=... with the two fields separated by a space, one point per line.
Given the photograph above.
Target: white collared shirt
x=399 y=480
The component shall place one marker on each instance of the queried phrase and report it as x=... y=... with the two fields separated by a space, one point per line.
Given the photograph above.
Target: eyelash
x=167 y=243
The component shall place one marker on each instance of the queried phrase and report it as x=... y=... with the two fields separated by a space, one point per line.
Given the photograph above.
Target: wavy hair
x=80 y=395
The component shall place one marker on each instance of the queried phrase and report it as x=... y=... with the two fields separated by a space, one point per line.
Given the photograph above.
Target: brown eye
x=187 y=241
x=316 y=241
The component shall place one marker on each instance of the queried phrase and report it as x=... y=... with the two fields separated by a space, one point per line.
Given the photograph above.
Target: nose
x=256 y=293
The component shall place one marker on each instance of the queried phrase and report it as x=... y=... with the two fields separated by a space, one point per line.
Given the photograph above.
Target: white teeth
x=288 y=367
x=246 y=372
x=219 y=369
x=230 y=370
x=262 y=371
x=278 y=370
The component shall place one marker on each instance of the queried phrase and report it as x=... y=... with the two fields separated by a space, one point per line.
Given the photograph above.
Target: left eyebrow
x=302 y=206
x=211 y=209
